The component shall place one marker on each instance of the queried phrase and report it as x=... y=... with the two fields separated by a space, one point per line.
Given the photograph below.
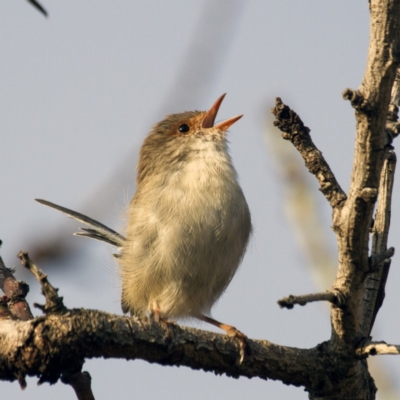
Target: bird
x=187 y=226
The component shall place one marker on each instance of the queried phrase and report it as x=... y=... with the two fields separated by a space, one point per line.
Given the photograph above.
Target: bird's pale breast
x=185 y=243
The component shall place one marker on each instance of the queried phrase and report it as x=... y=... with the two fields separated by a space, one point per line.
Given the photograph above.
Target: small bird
x=188 y=223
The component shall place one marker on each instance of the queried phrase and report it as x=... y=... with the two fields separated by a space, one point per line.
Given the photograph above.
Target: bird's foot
x=241 y=337
x=232 y=332
x=163 y=321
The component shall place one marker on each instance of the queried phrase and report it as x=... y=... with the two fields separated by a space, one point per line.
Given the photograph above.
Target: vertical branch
x=371 y=102
x=375 y=284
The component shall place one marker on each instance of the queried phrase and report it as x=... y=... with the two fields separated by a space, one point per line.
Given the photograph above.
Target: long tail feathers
x=96 y=231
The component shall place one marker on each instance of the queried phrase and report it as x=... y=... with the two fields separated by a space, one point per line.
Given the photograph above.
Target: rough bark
x=352 y=319
x=42 y=347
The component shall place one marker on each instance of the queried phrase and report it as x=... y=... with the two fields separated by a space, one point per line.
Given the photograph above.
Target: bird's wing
x=96 y=231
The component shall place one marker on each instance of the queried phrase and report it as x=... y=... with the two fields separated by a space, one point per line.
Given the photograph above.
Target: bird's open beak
x=209 y=119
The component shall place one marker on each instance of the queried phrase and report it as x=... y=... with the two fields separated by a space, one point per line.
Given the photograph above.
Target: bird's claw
x=233 y=332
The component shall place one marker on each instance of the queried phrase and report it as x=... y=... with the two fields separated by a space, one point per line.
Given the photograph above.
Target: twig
x=54 y=303
x=376 y=281
x=377 y=348
x=334 y=297
x=357 y=100
x=81 y=383
x=294 y=130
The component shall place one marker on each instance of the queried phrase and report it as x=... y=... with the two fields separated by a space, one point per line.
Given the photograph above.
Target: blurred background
x=79 y=91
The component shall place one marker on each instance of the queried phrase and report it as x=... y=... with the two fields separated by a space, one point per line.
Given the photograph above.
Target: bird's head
x=193 y=123
x=174 y=138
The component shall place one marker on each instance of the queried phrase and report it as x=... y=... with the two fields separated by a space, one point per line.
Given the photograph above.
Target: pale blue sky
x=81 y=89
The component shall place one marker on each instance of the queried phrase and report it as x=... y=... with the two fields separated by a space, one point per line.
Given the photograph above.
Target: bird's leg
x=156 y=313
x=231 y=331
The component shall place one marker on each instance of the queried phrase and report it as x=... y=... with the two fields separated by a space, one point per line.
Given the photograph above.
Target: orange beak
x=209 y=119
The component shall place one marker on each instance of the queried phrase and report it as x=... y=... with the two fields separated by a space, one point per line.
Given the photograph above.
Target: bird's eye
x=184 y=128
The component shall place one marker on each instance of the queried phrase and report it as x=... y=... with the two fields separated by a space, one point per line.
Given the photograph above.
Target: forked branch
x=14 y=302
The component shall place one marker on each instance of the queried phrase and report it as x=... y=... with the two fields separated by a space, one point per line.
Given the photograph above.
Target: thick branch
x=352 y=216
x=352 y=227
x=294 y=130
x=44 y=344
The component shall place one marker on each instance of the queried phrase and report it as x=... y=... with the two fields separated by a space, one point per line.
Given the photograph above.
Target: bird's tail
x=96 y=229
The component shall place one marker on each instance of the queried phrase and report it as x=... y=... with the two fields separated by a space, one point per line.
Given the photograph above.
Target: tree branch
x=333 y=297
x=294 y=130
x=42 y=347
x=79 y=381
x=377 y=348
x=352 y=216
x=54 y=303
x=44 y=344
x=352 y=226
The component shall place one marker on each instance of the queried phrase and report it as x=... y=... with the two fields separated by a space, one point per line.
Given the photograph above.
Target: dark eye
x=184 y=128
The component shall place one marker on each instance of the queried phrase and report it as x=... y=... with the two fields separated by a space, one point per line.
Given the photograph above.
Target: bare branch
x=356 y=99
x=294 y=130
x=47 y=341
x=79 y=381
x=377 y=348
x=333 y=297
x=54 y=303
x=352 y=226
